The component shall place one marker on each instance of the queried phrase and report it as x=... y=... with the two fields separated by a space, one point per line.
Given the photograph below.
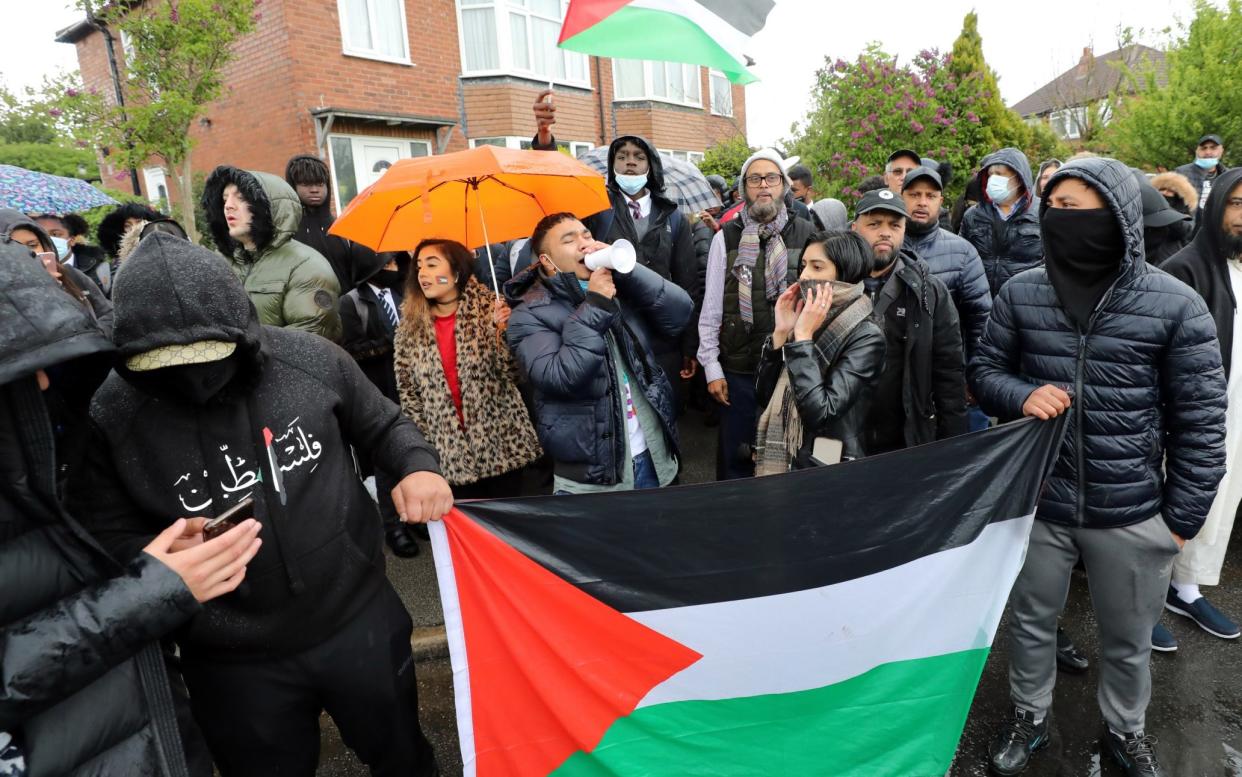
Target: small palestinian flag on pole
x=715 y=33
x=827 y=621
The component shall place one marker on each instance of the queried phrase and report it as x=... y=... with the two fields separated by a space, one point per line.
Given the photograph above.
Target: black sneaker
x=1069 y=659
x=400 y=541
x=1136 y=753
x=1017 y=740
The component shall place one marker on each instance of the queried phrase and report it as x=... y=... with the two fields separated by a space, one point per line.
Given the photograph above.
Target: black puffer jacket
x=833 y=399
x=1203 y=265
x=956 y=263
x=83 y=684
x=559 y=336
x=1147 y=426
x=1006 y=246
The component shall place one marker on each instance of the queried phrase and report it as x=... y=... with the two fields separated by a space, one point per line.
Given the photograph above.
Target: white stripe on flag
x=456 y=634
x=935 y=605
x=728 y=37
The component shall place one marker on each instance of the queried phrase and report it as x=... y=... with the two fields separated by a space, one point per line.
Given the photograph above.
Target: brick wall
x=502 y=106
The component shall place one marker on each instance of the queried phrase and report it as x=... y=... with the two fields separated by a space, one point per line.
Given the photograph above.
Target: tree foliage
x=26 y=120
x=71 y=162
x=944 y=106
x=1159 y=125
x=726 y=158
x=178 y=51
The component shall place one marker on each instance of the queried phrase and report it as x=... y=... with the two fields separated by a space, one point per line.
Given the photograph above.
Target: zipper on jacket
x=1081 y=507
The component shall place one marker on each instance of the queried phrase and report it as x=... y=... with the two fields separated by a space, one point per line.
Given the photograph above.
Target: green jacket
x=291 y=284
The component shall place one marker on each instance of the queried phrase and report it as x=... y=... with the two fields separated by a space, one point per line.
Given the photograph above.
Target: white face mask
x=62 y=247
x=630 y=184
x=998 y=188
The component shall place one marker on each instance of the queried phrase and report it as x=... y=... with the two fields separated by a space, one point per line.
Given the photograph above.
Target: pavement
x=1195 y=713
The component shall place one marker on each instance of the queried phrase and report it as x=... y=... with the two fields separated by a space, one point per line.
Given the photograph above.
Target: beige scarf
x=778 y=437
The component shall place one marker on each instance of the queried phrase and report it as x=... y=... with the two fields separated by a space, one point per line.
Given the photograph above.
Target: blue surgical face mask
x=62 y=247
x=1207 y=163
x=631 y=184
x=998 y=188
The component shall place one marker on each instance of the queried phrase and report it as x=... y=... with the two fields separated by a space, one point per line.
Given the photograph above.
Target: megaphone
x=619 y=257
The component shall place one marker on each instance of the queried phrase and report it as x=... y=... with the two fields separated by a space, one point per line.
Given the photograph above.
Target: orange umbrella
x=474 y=197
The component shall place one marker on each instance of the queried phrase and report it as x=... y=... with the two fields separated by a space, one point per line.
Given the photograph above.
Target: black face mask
x=198 y=383
x=388 y=279
x=1083 y=249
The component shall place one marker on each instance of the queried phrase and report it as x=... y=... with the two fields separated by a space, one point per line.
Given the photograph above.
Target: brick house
x=363 y=83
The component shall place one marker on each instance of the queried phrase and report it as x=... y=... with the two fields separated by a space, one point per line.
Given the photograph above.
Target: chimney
x=1084 y=64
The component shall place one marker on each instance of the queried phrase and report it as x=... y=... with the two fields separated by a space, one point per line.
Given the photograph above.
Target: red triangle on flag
x=550 y=667
x=582 y=14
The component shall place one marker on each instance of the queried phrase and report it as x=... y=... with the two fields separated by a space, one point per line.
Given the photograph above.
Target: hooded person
x=1141 y=458
x=1004 y=225
x=206 y=409
x=113 y=226
x=1165 y=230
x=830 y=215
x=84 y=683
x=16 y=227
x=87 y=259
x=253 y=218
x=1178 y=192
x=1212 y=266
x=352 y=262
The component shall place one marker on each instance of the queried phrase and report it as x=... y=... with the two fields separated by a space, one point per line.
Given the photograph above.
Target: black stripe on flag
x=747 y=16
x=649 y=550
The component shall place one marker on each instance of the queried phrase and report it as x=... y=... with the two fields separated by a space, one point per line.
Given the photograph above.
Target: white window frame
x=152 y=179
x=712 y=75
x=504 y=46
x=576 y=148
x=378 y=56
x=353 y=139
x=649 y=92
x=693 y=157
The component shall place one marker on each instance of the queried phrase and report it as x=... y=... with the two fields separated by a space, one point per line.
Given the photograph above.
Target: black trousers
x=502 y=486
x=261 y=719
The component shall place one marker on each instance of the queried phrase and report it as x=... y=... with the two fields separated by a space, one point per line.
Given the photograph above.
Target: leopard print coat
x=498 y=436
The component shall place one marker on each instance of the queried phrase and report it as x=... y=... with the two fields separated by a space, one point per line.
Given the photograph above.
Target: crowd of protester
x=342 y=398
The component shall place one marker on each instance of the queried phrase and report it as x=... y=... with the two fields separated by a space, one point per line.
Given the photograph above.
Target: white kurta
x=1201 y=559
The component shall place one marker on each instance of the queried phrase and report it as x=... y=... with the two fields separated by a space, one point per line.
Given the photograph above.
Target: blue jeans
x=977 y=419
x=644 y=473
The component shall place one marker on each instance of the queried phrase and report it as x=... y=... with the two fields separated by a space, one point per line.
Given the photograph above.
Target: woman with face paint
x=825 y=354
x=455 y=376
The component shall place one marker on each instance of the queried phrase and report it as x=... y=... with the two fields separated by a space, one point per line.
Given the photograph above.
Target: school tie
x=390 y=308
x=636 y=211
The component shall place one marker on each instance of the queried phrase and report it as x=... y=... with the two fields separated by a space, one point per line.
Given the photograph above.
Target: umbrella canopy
x=475 y=197
x=684 y=183
x=32 y=192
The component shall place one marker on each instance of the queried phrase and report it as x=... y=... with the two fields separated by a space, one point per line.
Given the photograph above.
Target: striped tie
x=636 y=210
x=390 y=308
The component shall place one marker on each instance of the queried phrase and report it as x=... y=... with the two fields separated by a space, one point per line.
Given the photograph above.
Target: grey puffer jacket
x=956 y=263
x=559 y=336
x=1147 y=425
x=1006 y=246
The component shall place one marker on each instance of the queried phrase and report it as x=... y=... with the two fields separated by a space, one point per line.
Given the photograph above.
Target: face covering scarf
x=1083 y=249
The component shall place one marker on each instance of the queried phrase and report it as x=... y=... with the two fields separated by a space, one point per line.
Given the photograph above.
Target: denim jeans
x=644 y=473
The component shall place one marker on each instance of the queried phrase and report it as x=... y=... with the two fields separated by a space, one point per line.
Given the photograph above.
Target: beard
x=1232 y=244
x=763 y=212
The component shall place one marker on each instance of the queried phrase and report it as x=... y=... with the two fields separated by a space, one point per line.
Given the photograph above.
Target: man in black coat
x=921 y=394
x=1003 y=225
x=207 y=409
x=1131 y=354
x=1208 y=165
x=352 y=262
x=1212 y=266
x=83 y=681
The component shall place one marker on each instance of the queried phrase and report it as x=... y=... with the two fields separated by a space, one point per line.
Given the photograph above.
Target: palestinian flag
x=715 y=33
x=827 y=621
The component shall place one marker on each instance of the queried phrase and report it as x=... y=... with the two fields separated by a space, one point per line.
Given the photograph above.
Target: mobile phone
x=228 y=519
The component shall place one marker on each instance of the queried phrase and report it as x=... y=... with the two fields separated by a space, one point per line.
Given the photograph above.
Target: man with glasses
x=752 y=259
x=901 y=162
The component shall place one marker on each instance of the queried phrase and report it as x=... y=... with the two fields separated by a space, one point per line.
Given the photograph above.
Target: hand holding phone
x=228 y=519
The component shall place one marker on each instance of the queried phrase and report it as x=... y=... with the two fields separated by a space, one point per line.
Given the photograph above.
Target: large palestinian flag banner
x=715 y=33
x=827 y=621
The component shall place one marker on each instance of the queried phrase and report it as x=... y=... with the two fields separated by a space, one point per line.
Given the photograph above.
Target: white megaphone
x=619 y=257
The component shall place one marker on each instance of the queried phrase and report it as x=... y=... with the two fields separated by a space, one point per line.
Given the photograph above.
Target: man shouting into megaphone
x=582 y=334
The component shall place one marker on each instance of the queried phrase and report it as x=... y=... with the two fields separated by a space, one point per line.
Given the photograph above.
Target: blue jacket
x=955 y=262
x=1146 y=430
x=1006 y=246
x=559 y=337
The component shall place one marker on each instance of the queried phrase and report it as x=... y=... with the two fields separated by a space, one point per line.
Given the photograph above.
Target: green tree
x=174 y=68
x=25 y=121
x=975 y=92
x=1159 y=125
x=726 y=158
x=51 y=158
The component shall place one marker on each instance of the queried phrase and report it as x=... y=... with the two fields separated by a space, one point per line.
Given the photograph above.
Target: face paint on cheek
x=442 y=280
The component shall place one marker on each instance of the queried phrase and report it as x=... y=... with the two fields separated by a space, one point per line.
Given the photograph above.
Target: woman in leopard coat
x=455 y=376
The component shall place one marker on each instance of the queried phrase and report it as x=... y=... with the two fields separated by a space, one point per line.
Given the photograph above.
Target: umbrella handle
x=486 y=242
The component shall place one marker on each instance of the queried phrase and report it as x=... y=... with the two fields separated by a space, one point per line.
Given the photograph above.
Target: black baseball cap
x=1213 y=138
x=922 y=172
x=881 y=199
x=916 y=156
x=1156 y=209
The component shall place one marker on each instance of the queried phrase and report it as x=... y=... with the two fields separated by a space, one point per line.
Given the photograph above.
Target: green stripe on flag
x=901 y=719
x=644 y=33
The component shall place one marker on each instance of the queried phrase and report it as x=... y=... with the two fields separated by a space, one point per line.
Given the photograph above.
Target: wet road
x=1196 y=709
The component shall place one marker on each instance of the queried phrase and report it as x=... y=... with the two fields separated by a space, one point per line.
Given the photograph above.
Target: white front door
x=376 y=158
x=359 y=161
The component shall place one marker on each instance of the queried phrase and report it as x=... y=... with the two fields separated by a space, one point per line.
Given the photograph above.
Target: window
x=127 y=47
x=518 y=37
x=672 y=82
x=693 y=157
x=374 y=29
x=721 y=93
x=574 y=148
x=358 y=161
x=157 y=186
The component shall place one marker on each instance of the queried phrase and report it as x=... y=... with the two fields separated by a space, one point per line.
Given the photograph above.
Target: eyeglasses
x=771 y=179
